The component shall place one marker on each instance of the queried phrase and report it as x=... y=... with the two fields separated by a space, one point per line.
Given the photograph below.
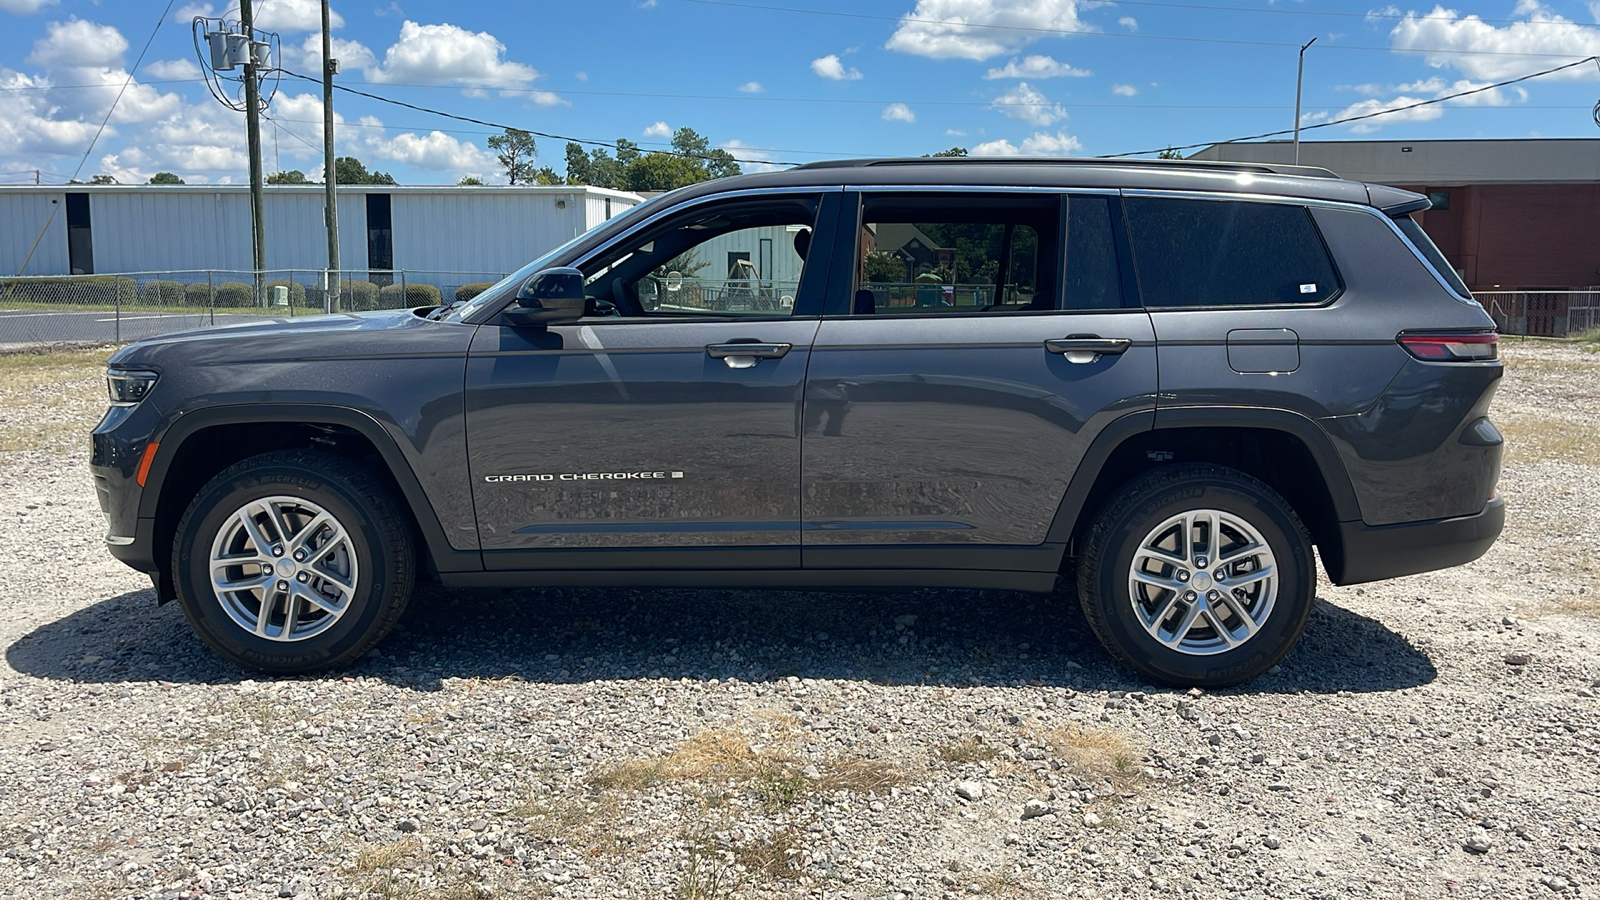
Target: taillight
x=1446 y=347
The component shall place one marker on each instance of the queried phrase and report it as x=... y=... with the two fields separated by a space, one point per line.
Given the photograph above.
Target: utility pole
x=252 y=119
x=1299 y=81
x=330 y=178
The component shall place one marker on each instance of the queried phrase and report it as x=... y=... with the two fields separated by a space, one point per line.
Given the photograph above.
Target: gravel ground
x=1433 y=736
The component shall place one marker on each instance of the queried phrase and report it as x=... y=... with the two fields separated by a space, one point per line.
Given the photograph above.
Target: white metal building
x=102 y=229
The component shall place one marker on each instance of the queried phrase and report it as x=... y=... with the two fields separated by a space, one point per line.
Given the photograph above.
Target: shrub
x=408 y=296
x=197 y=295
x=358 y=296
x=297 y=292
x=468 y=291
x=80 y=290
x=163 y=293
x=233 y=294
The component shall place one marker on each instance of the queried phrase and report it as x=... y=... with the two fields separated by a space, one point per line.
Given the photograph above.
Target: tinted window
x=953 y=254
x=1227 y=253
x=1091 y=262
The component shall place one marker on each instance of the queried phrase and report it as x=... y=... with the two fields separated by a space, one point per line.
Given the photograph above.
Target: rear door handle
x=744 y=354
x=1086 y=348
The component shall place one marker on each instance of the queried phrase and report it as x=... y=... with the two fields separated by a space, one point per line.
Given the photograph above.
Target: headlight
x=127 y=388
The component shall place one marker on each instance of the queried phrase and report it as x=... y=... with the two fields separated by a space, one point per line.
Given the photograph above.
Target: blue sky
x=780 y=81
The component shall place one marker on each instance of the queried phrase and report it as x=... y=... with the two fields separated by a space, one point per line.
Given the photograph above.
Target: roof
x=1432 y=163
x=1281 y=180
x=473 y=190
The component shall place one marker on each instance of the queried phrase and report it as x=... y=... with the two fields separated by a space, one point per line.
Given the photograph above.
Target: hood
x=340 y=335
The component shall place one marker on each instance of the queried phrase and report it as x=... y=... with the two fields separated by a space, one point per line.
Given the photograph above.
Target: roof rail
x=1263 y=168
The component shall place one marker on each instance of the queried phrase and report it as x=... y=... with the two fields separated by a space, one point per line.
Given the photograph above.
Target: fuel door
x=1263 y=351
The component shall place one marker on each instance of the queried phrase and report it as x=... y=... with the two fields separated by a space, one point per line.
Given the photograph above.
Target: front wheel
x=292 y=562
x=1197 y=575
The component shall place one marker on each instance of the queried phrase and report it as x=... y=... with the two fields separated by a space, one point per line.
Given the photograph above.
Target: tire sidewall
x=1291 y=608
x=192 y=558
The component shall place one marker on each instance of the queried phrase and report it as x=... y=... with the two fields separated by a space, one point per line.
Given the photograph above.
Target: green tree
x=627 y=152
x=717 y=163
x=470 y=181
x=349 y=170
x=102 y=179
x=165 y=178
x=953 y=151
x=883 y=266
x=578 y=169
x=1169 y=153
x=663 y=172
x=516 y=150
x=547 y=175
x=293 y=176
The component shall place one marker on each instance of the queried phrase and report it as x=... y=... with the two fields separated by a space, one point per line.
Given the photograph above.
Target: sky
x=774 y=81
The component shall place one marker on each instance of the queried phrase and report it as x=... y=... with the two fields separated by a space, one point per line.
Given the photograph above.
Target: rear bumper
x=1376 y=552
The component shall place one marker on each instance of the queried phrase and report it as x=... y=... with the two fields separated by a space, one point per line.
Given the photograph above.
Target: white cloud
x=1038 y=144
x=746 y=152
x=1432 y=88
x=547 y=98
x=307 y=55
x=172 y=69
x=946 y=29
x=1036 y=67
x=955 y=132
x=754 y=87
x=898 y=112
x=292 y=15
x=1129 y=22
x=79 y=42
x=24 y=7
x=1124 y=90
x=432 y=152
x=581 y=76
x=1365 y=107
x=447 y=54
x=831 y=68
x=1594 y=10
x=659 y=129
x=1029 y=105
x=1543 y=33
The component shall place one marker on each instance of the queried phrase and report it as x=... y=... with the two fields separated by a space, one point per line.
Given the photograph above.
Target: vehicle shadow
x=930 y=637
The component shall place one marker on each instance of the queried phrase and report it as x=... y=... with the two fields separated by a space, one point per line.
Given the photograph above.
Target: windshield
x=495 y=292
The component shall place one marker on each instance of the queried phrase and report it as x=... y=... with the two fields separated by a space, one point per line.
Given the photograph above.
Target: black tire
x=1143 y=505
x=379 y=540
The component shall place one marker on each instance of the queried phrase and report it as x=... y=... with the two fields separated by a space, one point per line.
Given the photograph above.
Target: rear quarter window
x=1211 y=253
x=1430 y=252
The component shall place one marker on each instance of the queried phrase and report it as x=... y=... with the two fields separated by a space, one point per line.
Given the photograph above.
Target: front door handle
x=1086 y=348
x=745 y=354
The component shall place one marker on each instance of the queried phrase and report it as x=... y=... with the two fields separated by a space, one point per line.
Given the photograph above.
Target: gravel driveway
x=1432 y=737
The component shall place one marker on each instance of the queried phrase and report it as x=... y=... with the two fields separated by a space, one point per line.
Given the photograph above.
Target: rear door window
x=1221 y=253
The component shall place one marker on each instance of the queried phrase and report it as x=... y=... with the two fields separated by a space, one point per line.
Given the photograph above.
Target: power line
x=1371 y=115
x=1029 y=29
x=142 y=52
x=543 y=134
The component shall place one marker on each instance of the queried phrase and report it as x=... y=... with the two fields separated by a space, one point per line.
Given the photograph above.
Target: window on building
x=1439 y=199
x=1208 y=253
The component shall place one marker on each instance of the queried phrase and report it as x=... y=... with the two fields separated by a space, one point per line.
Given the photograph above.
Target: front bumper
x=1376 y=552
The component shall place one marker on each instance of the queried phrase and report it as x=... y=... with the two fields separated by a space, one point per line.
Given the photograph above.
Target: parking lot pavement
x=1433 y=736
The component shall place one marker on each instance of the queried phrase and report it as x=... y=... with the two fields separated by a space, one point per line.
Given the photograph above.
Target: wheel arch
x=1273 y=445
x=198 y=445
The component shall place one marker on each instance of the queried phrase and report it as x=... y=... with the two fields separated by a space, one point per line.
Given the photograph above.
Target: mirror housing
x=551 y=297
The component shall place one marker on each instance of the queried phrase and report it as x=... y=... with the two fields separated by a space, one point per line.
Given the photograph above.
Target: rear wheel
x=1197 y=575
x=293 y=562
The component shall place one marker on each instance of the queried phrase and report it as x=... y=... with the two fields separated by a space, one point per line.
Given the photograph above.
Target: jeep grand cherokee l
x=1165 y=381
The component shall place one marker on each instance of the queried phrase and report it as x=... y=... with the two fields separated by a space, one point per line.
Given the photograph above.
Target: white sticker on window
x=1308 y=289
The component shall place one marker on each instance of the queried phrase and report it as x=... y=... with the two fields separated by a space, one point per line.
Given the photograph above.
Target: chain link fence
x=60 y=310
x=1543 y=313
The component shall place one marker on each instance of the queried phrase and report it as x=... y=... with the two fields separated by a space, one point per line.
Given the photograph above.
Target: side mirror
x=551 y=297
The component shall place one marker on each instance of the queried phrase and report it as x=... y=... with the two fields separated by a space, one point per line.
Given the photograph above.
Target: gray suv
x=1163 y=382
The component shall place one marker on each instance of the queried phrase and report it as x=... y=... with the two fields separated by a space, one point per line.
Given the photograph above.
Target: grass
x=1095 y=754
x=64 y=385
x=1544 y=439
x=772 y=858
x=706 y=878
x=966 y=750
